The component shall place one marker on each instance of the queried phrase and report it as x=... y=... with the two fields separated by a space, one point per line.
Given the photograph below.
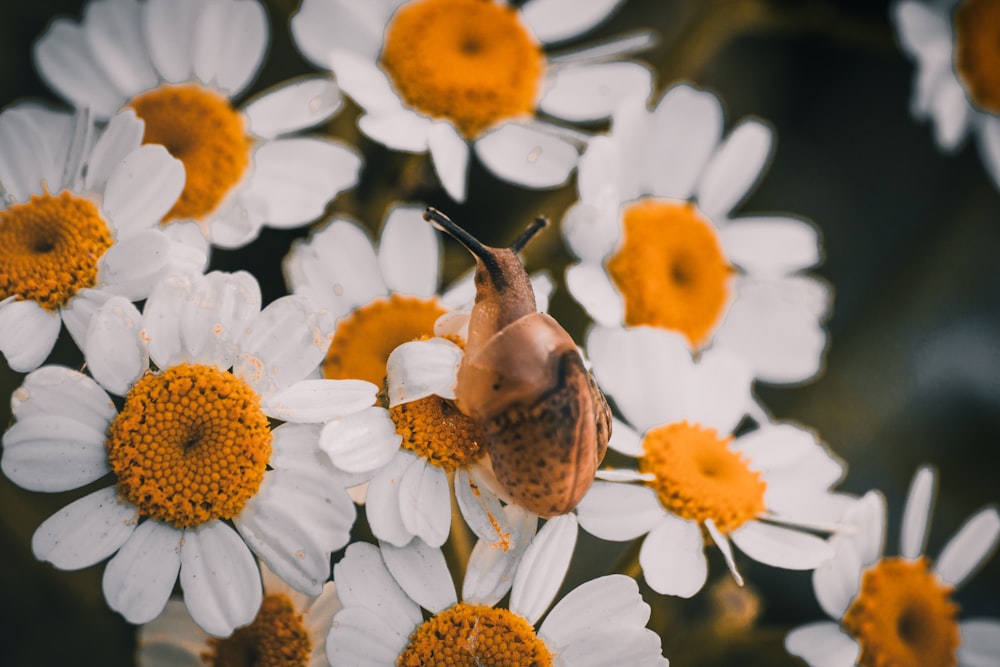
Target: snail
x=522 y=380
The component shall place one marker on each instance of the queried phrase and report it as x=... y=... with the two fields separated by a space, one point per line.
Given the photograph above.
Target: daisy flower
x=658 y=247
x=289 y=629
x=200 y=481
x=899 y=610
x=601 y=622
x=179 y=64
x=957 y=83
x=444 y=75
x=695 y=479
x=79 y=223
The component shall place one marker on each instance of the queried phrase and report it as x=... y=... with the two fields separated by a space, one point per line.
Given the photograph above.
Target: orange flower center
x=697 y=476
x=276 y=638
x=903 y=617
x=49 y=248
x=670 y=269
x=977 y=51
x=201 y=129
x=469 y=61
x=364 y=339
x=433 y=428
x=190 y=445
x=467 y=635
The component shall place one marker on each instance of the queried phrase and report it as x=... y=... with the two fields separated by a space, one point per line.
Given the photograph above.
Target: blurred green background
x=911 y=240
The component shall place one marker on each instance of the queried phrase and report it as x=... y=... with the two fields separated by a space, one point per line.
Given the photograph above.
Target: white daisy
x=79 y=223
x=957 y=83
x=190 y=450
x=899 y=610
x=179 y=64
x=694 y=478
x=653 y=229
x=289 y=629
x=601 y=622
x=439 y=75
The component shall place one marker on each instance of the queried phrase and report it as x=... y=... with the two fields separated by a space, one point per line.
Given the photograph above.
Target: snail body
x=546 y=424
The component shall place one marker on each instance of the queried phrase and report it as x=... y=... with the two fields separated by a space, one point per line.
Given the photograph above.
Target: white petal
x=624 y=439
x=838 y=580
x=28 y=333
x=685 y=129
x=361 y=441
x=138 y=580
x=122 y=136
x=591 y=230
x=771 y=246
x=114 y=349
x=409 y=252
x=980 y=642
x=726 y=548
x=630 y=646
x=450 y=156
x=297 y=177
x=822 y=644
x=133 y=265
x=81 y=309
x=360 y=637
x=968 y=548
x=142 y=188
x=169 y=27
x=781 y=547
x=734 y=169
x=363 y=581
x=526 y=156
x=917 y=514
x=425 y=502
x=558 y=20
x=360 y=78
x=229 y=44
x=672 y=558
x=611 y=602
x=867 y=515
x=112 y=30
x=294 y=521
x=62 y=392
x=989 y=147
x=543 y=567
x=717 y=391
x=26 y=159
x=321 y=25
x=53 y=453
x=397 y=128
x=619 y=512
x=85 y=531
x=293 y=105
x=382 y=501
x=491 y=567
x=590 y=92
x=422 y=573
x=64 y=61
x=283 y=344
x=220 y=578
x=313 y=401
x=421 y=368
x=172 y=638
x=481 y=509
x=951 y=112
x=590 y=286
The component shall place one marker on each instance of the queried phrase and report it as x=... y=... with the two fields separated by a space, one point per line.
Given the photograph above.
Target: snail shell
x=522 y=380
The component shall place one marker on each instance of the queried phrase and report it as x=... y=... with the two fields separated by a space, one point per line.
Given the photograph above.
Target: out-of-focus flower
x=441 y=75
x=290 y=629
x=601 y=622
x=658 y=246
x=956 y=47
x=179 y=64
x=694 y=477
x=191 y=450
x=79 y=223
x=899 y=610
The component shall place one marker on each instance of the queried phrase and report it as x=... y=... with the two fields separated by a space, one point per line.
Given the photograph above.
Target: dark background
x=911 y=241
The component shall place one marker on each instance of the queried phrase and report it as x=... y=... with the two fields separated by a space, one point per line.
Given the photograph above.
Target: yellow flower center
x=468 y=635
x=433 y=428
x=697 y=476
x=364 y=339
x=977 y=51
x=469 y=61
x=201 y=129
x=190 y=445
x=670 y=269
x=276 y=638
x=903 y=617
x=49 y=248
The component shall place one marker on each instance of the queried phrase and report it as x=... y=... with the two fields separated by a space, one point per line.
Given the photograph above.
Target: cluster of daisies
x=231 y=445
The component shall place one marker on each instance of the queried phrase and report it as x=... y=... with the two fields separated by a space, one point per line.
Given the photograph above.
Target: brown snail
x=522 y=380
